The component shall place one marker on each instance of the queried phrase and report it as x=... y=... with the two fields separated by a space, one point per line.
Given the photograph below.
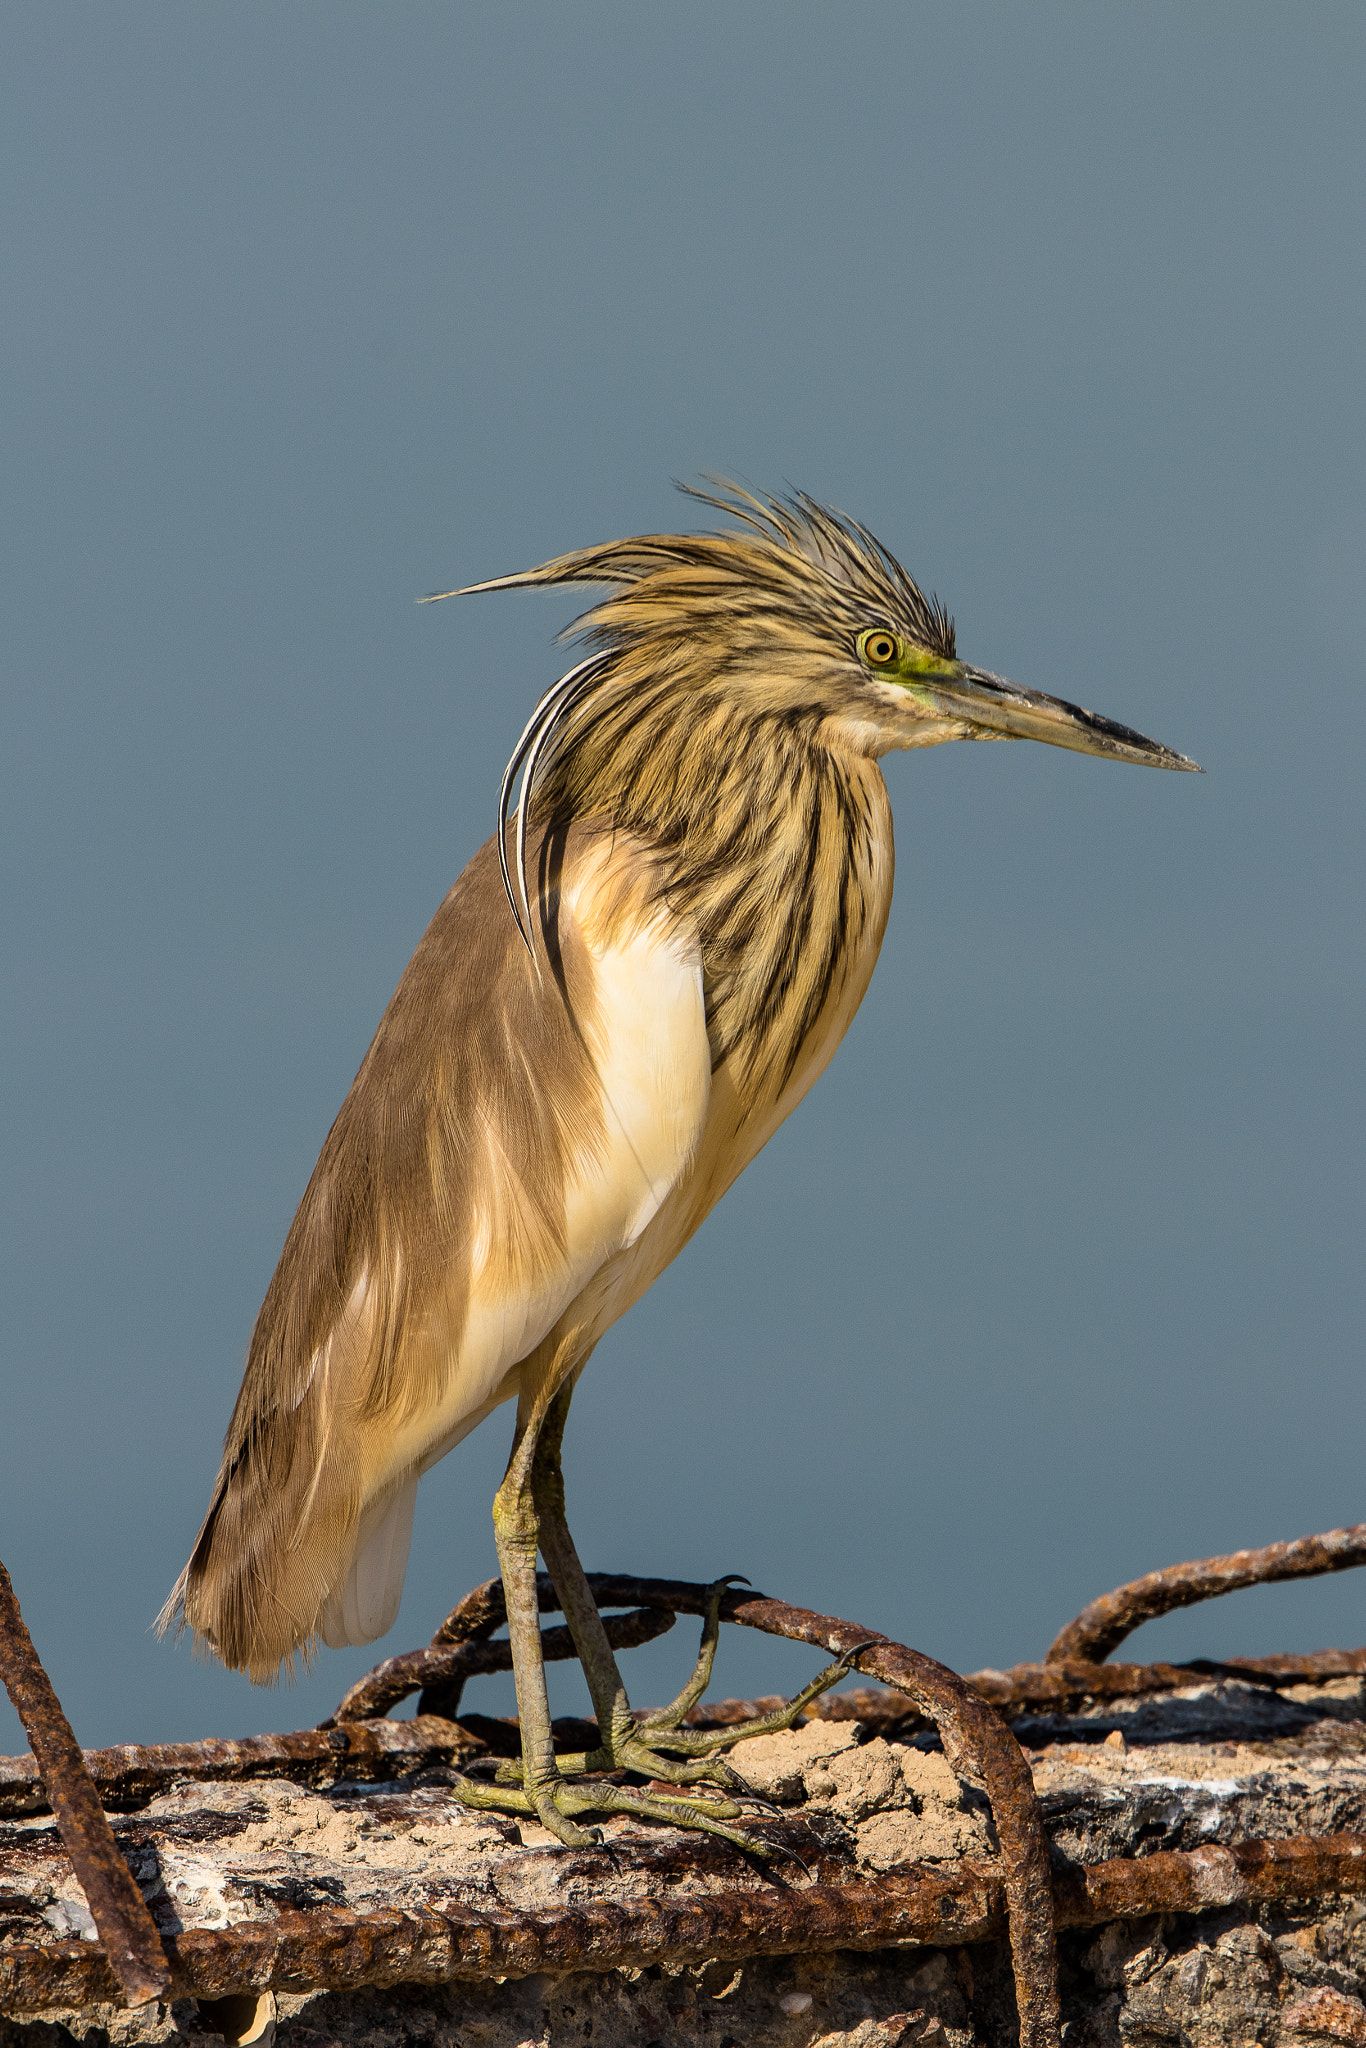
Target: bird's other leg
x=611 y=1708
x=654 y=1744
x=538 y=1787
x=621 y=1746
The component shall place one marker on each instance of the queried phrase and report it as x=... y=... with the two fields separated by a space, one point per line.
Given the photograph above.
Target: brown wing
x=503 y=1139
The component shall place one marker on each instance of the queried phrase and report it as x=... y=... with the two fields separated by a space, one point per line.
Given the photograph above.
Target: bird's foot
x=655 y=1746
x=657 y=1743
x=556 y=1803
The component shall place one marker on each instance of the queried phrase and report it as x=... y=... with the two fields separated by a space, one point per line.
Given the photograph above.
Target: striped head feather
x=775 y=609
x=723 y=717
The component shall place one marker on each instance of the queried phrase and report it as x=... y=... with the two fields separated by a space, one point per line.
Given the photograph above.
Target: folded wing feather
x=502 y=1143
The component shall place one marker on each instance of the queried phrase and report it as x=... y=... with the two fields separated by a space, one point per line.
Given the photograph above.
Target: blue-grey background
x=1057 y=1277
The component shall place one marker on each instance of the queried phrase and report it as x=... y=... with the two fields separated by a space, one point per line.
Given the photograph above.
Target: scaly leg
x=653 y=1745
x=541 y=1787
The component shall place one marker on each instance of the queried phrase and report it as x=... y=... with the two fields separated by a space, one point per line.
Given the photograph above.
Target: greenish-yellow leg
x=529 y=1515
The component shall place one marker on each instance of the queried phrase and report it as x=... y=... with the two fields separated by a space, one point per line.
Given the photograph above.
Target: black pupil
x=882 y=650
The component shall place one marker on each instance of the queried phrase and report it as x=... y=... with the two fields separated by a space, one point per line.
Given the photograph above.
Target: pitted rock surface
x=214 y=1856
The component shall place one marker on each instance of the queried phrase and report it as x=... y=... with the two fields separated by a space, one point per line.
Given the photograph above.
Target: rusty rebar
x=1102 y=1627
x=1299 y=1668
x=978 y=1743
x=331 y=1948
x=483 y=1609
x=1027 y=1689
x=976 y=1740
x=939 y=1908
x=125 y=1926
x=439 y=1672
x=461 y=1649
x=132 y=1774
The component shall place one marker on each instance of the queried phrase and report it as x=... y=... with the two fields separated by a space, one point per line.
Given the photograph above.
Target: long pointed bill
x=996 y=708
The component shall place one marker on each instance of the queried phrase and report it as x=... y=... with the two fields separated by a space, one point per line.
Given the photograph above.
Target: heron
x=625 y=993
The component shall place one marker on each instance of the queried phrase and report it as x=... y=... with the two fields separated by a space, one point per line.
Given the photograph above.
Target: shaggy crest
x=794 y=568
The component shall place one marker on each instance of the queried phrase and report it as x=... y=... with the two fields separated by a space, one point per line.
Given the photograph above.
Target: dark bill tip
x=1002 y=708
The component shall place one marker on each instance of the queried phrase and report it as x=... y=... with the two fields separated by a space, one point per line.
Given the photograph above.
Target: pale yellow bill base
x=995 y=706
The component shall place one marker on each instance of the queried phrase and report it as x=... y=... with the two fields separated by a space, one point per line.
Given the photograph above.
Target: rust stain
x=125 y=1926
x=1102 y=1627
x=939 y=1907
x=944 y=1907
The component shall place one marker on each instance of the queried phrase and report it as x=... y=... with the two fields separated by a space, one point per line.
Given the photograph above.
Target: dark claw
x=782 y=1849
x=846 y=1657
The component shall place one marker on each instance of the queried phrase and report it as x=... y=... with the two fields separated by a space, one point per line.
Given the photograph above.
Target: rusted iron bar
x=125 y=1926
x=454 y=1655
x=1198 y=1880
x=978 y=1743
x=976 y=1740
x=943 y=1907
x=1295 y=1669
x=440 y=1671
x=1027 y=1688
x=131 y=1774
x=482 y=1610
x=461 y=1649
x=1102 y=1627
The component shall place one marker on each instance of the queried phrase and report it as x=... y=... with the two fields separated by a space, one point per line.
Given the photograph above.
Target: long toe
x=492 y=1797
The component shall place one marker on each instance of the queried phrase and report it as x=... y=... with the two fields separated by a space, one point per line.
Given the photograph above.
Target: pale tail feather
x=365 y=1604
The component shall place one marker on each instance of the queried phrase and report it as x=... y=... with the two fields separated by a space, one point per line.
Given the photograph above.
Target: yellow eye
x=879 y=648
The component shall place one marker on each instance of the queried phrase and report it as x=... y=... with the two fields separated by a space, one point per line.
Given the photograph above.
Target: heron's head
x=799 y=612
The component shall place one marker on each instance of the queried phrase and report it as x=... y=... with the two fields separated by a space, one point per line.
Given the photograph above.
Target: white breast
x=647 y=1033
